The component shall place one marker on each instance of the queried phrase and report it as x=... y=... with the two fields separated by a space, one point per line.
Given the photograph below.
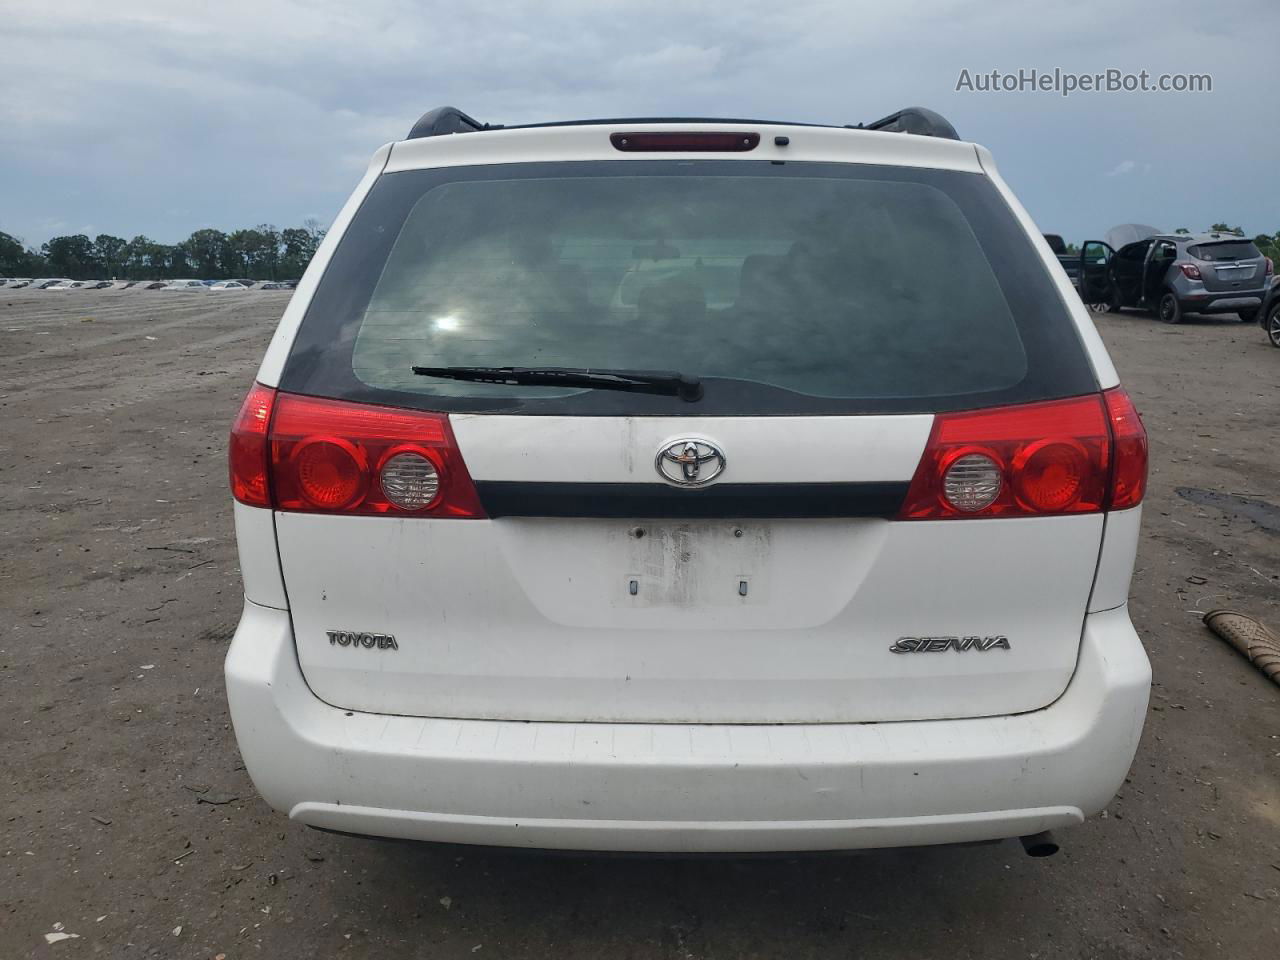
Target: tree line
x=258 y=253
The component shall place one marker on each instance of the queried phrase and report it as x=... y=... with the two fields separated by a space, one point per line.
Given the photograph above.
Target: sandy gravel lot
x=119 y=590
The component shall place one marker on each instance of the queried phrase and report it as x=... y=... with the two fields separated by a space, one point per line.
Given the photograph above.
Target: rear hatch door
x=1227 y=265
x=832 y=313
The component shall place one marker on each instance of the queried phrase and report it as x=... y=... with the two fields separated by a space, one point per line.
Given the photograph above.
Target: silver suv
x=1177 y=274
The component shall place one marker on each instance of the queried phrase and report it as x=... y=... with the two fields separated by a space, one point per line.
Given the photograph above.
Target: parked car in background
x=44 y=283
x=186 y=286
x=68 y=285
x=1176 y=274
x=244 y=282
x=1070 y=262
x=18 y=283
x=156 y=285
x=99 y=284
x=222 y=285
x=274 y=285
x=1269 y=315
x=693 y=575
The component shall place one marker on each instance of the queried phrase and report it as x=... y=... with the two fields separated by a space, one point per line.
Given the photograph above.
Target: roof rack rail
x=917 y=120
x=442 y=120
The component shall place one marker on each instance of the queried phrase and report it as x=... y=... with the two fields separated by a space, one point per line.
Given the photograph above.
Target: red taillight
x=1190 y=271
x=1050 y=476
x=328 y=456
x=331 y=473
x=683 y=142
x=1129 y=469
x=1271 y=267
x=1080 y=455
x=247 y=456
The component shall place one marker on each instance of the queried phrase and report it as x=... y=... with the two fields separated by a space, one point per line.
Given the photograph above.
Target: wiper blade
x=664 y=382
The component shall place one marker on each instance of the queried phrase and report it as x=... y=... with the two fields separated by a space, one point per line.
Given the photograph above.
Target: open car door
x=1095 y=273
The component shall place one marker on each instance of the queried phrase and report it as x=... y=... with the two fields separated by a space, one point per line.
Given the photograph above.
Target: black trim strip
x=503 y=498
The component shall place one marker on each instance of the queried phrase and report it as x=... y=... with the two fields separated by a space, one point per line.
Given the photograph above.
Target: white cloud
x=1121 y=168
x=249 y=111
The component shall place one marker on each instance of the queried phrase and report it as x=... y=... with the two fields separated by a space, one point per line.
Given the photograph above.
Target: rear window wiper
x=664 y=382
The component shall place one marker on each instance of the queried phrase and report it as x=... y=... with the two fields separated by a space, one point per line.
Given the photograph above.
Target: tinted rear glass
x=792 y=288
x=1227 y=250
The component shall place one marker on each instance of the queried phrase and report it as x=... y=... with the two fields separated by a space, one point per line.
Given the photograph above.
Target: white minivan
x=687 y=486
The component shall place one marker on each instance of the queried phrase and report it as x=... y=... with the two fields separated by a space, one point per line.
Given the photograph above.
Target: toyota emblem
x=690 y=462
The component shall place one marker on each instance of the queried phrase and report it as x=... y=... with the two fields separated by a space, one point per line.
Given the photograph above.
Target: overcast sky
x=159 y=118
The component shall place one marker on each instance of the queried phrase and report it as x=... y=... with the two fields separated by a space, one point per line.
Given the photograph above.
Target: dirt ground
x=119 y=591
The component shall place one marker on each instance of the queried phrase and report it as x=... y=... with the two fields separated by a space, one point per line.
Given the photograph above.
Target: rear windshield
x=786 y=288
x=1226 y=250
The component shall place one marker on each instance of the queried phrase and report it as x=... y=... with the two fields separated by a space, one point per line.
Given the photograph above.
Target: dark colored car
x=1070 y=261
x=1269 y=316
x=1176 y=274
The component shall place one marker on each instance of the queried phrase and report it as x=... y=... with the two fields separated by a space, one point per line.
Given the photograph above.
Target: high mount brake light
x=1081 y=455
x=713 y=142
x=312 y=455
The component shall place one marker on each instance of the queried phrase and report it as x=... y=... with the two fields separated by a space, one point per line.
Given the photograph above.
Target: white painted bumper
x=686 y=788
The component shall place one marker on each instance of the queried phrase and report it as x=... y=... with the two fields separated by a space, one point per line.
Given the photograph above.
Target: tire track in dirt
x=139 y=387
x=194 y=316
x=261 y=320
x=59 y=381
x=41 y=309
x=142 y=391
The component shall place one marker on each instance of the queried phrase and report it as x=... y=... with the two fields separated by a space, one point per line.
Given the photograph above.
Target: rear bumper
x=687 y=788
x=1221 y=302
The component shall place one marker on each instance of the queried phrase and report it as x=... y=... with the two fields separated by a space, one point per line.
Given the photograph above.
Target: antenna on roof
x=918 y=120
